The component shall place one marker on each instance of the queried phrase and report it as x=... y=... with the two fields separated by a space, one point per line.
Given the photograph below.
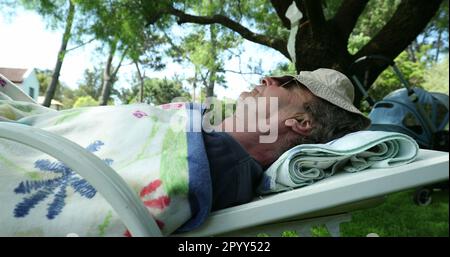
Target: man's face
x=291 y=98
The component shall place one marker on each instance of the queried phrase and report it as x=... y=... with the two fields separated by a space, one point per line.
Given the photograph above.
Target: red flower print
x=160 y=202
x=158 y=222
x=150 y=187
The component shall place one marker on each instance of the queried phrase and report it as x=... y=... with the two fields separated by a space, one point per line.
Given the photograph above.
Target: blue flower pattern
x=41 y=189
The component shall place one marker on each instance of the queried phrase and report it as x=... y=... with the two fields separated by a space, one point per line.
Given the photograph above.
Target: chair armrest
x=103 y=178
x=13 y=91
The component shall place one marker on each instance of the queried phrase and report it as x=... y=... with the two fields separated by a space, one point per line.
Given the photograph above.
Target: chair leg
x=302 y=227
x=333 y=226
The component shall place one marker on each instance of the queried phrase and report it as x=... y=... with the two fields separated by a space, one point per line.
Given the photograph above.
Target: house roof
x=16 y=75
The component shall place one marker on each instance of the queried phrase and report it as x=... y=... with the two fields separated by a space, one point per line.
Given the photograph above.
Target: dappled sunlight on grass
x=398 y=216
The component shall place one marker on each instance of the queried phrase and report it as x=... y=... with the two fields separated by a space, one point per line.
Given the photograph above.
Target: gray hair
x=329 y=122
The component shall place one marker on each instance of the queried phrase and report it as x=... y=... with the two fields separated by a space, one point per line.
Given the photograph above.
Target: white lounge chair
x=335 y=196
x=326 y=202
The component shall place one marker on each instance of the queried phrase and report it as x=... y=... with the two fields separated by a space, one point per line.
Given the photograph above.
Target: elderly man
x=313 y=107
x=179 y=174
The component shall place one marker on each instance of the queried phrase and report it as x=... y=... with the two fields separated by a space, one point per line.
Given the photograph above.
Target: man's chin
x=245 y=95
x=242 y=96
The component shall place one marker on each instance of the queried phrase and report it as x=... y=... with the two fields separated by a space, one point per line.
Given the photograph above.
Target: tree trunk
x=210 y=89
x=50 y=93
x=110 y=75
x=141 y=81
x=107 y=77
x=396 y=35
x=194 y=87
x=438 y=47
x=213 y=70
x=326 y=50
x=412 y=52
x=325 y=43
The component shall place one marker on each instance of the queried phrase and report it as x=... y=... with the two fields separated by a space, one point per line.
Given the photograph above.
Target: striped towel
x=305 y=164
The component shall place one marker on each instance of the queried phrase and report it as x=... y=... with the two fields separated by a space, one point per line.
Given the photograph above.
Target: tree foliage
x=91 y=83
x=156 y=91
x=415 y=60
x=53 y=11
x=160 y=91
x=205 y=48
x=85 y=101
x=64 y=94
x=123 y=29
x=323 y=37
x=332 y=33
x=388 y=81
x=118 y=24
x=437 y=77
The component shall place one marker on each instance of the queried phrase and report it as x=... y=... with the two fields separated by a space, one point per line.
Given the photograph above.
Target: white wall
x=30 y=81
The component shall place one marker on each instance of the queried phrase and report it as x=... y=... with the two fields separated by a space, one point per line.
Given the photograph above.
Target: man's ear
x=301 y=124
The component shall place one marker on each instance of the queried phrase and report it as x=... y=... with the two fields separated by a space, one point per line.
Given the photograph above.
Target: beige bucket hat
x=332 y=86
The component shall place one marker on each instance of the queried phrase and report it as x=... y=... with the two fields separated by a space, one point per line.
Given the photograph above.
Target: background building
x=26 y=79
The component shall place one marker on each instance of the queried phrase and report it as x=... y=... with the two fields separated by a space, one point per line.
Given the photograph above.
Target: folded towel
x=305 y=164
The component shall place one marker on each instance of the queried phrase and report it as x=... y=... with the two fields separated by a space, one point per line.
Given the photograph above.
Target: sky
x=26 y=42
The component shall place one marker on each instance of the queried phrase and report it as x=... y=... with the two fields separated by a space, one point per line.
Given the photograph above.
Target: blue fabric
x=221 y=173
x=200 y=187
x=235 y=175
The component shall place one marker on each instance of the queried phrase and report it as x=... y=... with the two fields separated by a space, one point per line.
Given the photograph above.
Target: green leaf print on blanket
x=68 y=115
x=7 y=112
x=174 y=165
x=13 y=111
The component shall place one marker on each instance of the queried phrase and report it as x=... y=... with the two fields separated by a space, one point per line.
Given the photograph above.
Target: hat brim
x=326 y=93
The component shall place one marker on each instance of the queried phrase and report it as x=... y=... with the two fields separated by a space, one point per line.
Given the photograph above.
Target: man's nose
x=268 y=81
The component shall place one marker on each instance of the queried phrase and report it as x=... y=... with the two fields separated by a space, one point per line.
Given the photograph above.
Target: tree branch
x=314 y=12
x=401 y=29
x=120 y=62
x=347 y=16
x=399 y=32
x=281 y=8
x=82 y=44
x=275 y=43
x=141 y=80
x=240 y=72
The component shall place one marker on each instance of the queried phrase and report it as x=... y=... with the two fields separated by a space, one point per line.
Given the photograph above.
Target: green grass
x=398 y=216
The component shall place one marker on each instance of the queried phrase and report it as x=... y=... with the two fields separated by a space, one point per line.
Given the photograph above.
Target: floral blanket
x=154 y=149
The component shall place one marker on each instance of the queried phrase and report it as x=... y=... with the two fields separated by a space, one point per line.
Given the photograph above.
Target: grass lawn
x=398 y=216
